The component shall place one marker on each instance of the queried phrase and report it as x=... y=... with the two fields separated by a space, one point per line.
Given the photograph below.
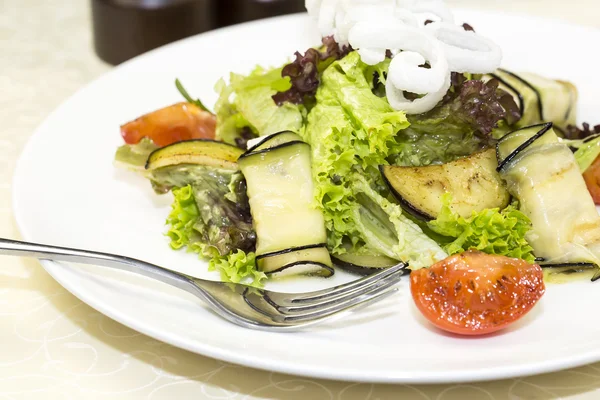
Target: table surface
x=54 y=346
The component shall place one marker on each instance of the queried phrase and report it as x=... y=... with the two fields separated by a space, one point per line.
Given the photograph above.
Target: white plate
x=66 y=192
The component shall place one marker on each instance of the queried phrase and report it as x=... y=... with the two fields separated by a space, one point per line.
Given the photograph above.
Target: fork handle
x=45 y=252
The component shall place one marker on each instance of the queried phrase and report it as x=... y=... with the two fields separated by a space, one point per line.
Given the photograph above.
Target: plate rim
x=56 y=269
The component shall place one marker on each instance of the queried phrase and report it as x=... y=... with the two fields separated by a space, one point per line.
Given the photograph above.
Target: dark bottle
x=126 y=28
x=237 y=11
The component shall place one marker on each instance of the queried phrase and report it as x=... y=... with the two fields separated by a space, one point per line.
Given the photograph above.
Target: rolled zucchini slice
x=290 y=231
x=210 y=153
x=511 y=145
x=473 y=182
x=540 y=99
x=559 y=273
x=275 y=140
x=363 y=264
x=297 y=260
x=542 y=173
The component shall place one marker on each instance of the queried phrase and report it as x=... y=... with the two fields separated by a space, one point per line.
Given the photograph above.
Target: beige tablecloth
x=53 y=346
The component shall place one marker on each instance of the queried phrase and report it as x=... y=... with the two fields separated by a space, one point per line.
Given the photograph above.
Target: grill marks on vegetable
x=472 y=181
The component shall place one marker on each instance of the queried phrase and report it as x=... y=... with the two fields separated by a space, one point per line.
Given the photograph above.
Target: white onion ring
x=326 y=18
x=466 y=51
x=435 y=7
x=406 y=17
x=351 y=13
x=397 y=100
x=372 y=26
x=405 y=73
x=371 y=56
x=372 y=34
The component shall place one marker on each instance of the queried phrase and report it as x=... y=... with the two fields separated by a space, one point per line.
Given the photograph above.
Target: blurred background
x=50 y=49
x=152 y=23
x=148 y=24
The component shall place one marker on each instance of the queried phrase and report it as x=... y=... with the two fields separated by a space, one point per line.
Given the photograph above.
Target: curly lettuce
x=352 y=131
x=188 y=229
x=205 y=219
x=238 y=267
x=245 y=106
x=491 y=231
x=470 y=116
x=181 y=221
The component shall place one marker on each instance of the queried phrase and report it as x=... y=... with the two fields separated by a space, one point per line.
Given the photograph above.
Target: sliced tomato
x=181 y=121
x=474 y=293
x=592 y=179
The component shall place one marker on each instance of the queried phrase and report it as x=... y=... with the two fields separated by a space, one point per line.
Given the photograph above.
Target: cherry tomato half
x=181 y=121
x=474 y=293
x=592 y=180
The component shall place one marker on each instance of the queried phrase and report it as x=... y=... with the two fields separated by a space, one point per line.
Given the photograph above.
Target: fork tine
x=338 y=307
x=347 y=287
x=291 y=307
x=362 y=301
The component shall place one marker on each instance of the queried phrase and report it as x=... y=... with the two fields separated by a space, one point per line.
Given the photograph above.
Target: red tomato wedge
x=592 y=180
x=181 y=121
x=474 y=293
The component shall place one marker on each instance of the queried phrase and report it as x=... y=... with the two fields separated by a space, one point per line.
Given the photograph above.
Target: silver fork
x=241 y=304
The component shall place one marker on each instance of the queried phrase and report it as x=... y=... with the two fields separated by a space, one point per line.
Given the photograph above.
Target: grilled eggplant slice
x=290 y=230
x=543 y=175
x=473 y=182
x=199 y=151
x=540 y=99
x=363 y=264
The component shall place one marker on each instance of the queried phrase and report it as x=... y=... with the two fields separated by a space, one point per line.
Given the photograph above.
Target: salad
x=399 y=139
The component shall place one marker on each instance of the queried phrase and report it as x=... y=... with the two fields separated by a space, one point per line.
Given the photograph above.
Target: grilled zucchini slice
x=363 y=264
x=290 y=230
x=543 y=175
x=206 y=152
x=540 y=99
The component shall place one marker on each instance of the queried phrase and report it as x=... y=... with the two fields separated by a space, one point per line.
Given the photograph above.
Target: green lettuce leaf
x=205 y=219
x=586 y=153
x=134 y=156
x=351 y=132
x=238 y=267
x=472 y=113
x=188 y=229
x=491 y=231
x=428 y=143
x=181 y=221
x=247 y=103
x=387 y=230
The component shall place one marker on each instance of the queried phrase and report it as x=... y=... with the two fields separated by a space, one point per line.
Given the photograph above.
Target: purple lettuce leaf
x=304 y=72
